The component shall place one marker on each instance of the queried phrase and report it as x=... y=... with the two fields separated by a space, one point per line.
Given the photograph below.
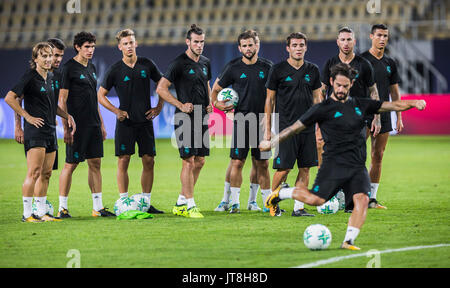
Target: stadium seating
x=24 y=22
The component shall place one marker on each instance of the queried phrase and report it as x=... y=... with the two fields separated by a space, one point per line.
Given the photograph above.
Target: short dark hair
x=346 y=30
x=82 y=37
x=296 y=35
x=247 y=35
x=344 y=70
x=378 y=26
x=194 y=29
x=57 y=43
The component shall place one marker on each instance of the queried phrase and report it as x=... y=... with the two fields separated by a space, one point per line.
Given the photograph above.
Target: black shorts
x=331 y=178
x=87 y=144
x=126 y=137
x=245 y=138
x=192 y=138
x=385 y=120
x=49 y=143
x=299 y=147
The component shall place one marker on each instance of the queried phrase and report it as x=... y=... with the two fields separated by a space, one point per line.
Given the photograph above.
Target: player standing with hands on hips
x=40 y=140
x=341 y=120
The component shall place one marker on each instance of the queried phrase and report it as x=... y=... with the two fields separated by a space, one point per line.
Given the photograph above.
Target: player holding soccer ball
x=341 y=120
x=247 y=76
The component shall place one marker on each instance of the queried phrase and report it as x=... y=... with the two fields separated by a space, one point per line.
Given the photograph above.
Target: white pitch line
x=340 y=258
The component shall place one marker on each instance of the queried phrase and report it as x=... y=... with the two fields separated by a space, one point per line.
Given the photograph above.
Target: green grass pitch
x=415 y=187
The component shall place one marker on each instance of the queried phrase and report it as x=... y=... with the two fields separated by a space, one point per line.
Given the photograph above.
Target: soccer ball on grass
x=317 y=237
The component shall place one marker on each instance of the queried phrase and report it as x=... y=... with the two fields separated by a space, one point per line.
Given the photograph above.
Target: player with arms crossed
x=131 y=79
x=40 y=140
x=78 y=95
x=341 y=120
x=387 y=79
x=293 y=86
x=190 y=72
x=247 y=76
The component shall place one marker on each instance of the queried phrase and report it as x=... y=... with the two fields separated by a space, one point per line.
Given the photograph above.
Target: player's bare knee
x=237 y=164
x=199 y=162
x=94 y=164
x=148 y=162
x=361 y=199
x=34 y=173
x=45 y=175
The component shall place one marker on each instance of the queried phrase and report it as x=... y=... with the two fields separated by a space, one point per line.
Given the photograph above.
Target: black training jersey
x=249 y=82
x=342 y=130
x=363 y=79
x=56 y=75
x=82 y=101
x=386 y=73
x=39 y=102
x=293 y=90
x=190 y=79
x=133 y=87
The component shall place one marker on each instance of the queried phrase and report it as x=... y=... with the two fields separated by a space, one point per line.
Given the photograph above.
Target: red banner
x=435 y=119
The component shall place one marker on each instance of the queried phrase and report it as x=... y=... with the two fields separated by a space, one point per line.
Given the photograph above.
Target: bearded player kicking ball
x=341 y=120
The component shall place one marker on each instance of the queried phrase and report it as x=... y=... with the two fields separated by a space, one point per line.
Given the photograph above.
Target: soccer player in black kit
x=341 y=119
x=40 y=142
x=247 y=77
x=364 y=85
x=131 y=79
x=293 y=86
x=58 y=47
x=253 y=177
x=190 y=73
x=78 y=96
x=387 y=79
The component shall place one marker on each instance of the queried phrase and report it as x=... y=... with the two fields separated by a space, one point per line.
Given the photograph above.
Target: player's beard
x=249 y=57
x=341 y=96
x=195 y=53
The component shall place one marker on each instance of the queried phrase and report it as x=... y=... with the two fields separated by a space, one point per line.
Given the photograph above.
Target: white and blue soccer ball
x=228 y=94
x=317 y=237
x=48 y=208
x=329 y=207
x=124 y=204
x=143 y=202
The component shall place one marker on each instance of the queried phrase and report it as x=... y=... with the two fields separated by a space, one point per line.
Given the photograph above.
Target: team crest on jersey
x=261 y=74
x=307 y=78
x=143 y=74
x=388 y=69
x=95 y=76
x=358 y=112
x=205 y=71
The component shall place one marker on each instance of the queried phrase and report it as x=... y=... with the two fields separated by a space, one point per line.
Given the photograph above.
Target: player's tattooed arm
x=376 y=123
